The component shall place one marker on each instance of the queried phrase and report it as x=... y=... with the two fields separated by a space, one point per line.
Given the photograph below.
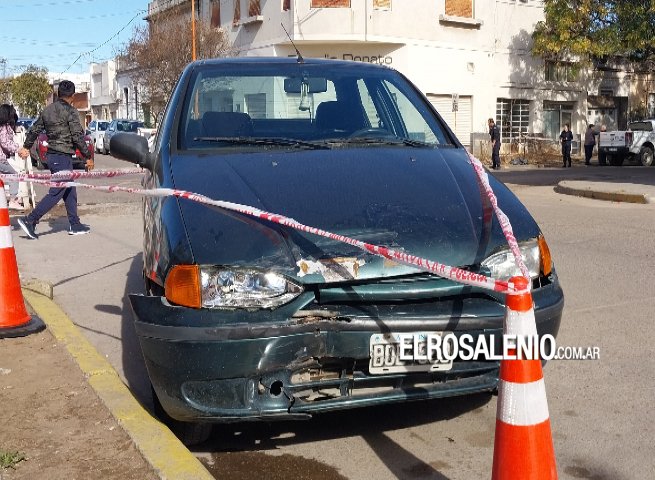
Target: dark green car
x=246 y=319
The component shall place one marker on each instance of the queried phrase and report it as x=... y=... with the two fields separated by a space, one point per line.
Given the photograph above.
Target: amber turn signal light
x=182 y=286
x=546 y=262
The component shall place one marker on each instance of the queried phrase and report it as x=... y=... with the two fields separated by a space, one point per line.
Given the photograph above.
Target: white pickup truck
x=635 y=143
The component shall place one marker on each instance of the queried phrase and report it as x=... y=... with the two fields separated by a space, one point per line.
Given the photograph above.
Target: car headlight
x=502 y=265
x=223 y=287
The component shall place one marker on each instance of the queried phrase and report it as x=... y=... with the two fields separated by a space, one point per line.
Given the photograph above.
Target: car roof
x=327 y=62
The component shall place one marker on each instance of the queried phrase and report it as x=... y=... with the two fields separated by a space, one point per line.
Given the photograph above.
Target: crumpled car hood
x=422 y=201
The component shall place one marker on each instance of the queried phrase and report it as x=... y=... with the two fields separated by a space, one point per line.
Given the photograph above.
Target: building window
x=216 y=14
x=254 y=8
x=382 y=4
x=286 y=5
x=561 y=72
x=555 y=115
x=237 y=12
x=330 y=3
x=512 y=118
x=459 y=8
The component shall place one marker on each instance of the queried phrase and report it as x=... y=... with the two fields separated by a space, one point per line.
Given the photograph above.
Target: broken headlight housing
x=245 y=288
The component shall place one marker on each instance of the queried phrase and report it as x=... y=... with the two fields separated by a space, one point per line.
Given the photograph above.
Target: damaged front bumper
x=222 y=366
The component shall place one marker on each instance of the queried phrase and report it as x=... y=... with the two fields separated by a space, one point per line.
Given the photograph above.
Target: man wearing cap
x=61 y=123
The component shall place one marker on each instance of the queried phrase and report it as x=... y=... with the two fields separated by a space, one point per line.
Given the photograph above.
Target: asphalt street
x=602 y=420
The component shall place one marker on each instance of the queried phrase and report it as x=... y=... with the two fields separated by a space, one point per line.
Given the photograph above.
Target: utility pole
x=193 y=30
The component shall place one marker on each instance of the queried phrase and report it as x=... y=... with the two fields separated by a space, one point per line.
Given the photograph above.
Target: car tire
x=615 y=160
x=646 y=156
x=189 y=433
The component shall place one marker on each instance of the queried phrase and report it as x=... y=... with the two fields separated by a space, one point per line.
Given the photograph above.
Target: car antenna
x=300 y=59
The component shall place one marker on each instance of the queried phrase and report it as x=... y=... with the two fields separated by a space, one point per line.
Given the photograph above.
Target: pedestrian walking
x=8 y=148
x=589 y=144
x=566 y=139
x=61 y=123
x=494 y=133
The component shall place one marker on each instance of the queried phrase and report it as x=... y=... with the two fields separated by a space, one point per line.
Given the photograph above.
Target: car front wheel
x=646 y=156
x=189 y=433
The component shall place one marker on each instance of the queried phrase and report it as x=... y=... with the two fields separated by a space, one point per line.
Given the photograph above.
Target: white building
x=103 y=97
x=128 y=93
x=81 y=80
x=470 y=57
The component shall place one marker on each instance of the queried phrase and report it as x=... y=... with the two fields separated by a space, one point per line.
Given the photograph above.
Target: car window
x=305 y=103
x=102 y=126
x=641 y=126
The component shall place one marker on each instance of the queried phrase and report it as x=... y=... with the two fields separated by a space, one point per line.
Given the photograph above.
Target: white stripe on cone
x=5 y=237
x=520 y=323
x=522 y=404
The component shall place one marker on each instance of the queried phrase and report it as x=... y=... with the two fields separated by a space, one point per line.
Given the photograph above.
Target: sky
x=65 y=35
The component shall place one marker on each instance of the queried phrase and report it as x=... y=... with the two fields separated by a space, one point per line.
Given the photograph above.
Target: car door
x=110 y=131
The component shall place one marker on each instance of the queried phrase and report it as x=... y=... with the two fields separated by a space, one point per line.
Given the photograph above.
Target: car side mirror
x=132 y=148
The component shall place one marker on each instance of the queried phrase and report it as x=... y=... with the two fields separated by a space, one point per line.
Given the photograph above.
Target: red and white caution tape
x=505 y=225
x=68 y=175
x=453 y=273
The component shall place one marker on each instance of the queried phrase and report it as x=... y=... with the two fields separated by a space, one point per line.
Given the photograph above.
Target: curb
x=160 y=448
x=607 y=195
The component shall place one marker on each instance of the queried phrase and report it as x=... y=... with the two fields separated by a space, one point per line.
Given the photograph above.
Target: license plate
x=385 y=355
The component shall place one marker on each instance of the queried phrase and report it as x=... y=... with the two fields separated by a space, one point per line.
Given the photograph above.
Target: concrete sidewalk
x=614 y=192
x=158 y=446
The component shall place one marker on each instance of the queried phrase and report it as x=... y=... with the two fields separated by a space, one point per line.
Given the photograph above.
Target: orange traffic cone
x=14 y=319
x=523 y=445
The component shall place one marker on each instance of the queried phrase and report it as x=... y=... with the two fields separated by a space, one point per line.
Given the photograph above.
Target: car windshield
x=128 y=126
x=261 y=105
x=102 y=126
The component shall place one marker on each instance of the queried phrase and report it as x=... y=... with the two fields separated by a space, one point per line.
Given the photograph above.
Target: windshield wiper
x=291 y=142
x=382 y=141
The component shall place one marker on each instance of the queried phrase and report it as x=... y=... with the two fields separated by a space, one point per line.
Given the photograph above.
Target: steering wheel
x=370 y=131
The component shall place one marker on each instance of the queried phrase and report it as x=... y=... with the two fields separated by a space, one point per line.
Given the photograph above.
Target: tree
x=30 y=90
x=158 y=53
x=589 y=29
x=5 y=93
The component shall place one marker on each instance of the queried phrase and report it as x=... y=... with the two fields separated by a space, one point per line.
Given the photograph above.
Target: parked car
x=636 y=143
x=39 y=153
x=96 y=129
x=248 y=320
x=118 y=125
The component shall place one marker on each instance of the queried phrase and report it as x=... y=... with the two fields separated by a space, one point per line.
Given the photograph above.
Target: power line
x=106 y=41
x=55 y=4
x=67 y=19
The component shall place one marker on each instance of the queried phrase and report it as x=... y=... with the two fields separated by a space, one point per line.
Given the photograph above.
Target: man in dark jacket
x=566 y=139
x=494 y=134
x=61 y=123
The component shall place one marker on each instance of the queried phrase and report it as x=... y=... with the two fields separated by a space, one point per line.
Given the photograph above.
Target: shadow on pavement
x=593 y=173
x=134 y=367
x=400 y=462
x=365 y=422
